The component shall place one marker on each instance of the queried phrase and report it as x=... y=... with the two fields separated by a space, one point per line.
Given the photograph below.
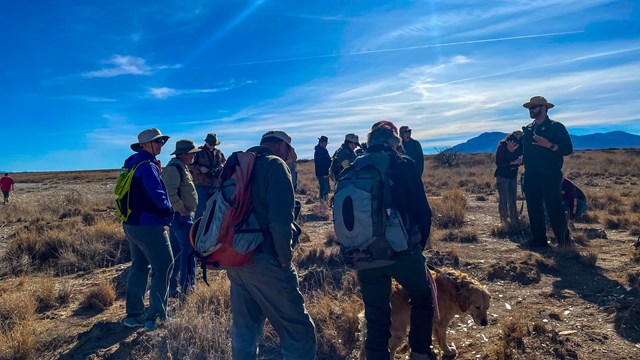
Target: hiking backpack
x=368 y=228
x=122 y=191
x=228 y=232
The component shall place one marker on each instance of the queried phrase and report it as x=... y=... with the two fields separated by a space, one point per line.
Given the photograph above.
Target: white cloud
x=126 y=65
x=166 y=92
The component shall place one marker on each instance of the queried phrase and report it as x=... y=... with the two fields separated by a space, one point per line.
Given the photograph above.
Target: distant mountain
x=487 y=142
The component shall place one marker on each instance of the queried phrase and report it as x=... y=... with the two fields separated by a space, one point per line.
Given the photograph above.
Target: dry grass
x=200 y=328
x=449 y=210
x=457 y=236
x=17 y=325
x=65 y=247
x=100 y=297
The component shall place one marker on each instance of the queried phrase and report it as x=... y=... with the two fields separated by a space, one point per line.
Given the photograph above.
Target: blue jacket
x=149 y=202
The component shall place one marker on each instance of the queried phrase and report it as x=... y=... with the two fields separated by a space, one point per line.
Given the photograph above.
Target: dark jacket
x=322 y=161
x=413 y=149
x=538 y=160
x=149 y=202
x=273 y=201
x=407 y=192
x=504 y=157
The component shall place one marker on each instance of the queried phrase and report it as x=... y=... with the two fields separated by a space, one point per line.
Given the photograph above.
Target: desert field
x=64 y=259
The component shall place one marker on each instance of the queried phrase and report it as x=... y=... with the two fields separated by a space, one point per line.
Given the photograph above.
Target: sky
x=80 y=79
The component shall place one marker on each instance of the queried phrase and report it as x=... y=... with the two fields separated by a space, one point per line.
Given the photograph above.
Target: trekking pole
x=522 y=191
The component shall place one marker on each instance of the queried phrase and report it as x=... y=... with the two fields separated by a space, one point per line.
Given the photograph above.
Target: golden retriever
x=457 y=294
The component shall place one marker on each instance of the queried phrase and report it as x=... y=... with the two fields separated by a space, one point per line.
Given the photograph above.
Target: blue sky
x=80 y=79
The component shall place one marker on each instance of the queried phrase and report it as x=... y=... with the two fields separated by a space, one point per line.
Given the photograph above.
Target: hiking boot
x=133 y=321
x=418 y=356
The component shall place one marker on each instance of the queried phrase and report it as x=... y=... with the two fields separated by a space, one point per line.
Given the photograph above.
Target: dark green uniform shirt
x=539 y=160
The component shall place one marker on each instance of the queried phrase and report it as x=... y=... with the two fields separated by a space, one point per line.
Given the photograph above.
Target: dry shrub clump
x=449 y=210
x=336 y=339
x=17 y=326
x=65 y=247
x=200 y=328
x=457 y=235
x=100 y=297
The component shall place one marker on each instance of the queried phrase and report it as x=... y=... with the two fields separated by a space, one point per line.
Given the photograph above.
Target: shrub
x=447 y=157
x=100 y=296
x=449 y=211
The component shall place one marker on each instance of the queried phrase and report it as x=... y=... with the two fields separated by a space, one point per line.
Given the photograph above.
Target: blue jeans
x=204 y=193
x=323 y=182
x=149 y=246
x=375 y=287
x=262 y=289
x=183 y=255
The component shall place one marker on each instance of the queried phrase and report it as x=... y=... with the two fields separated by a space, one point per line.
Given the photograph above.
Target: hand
x=517 y=161
x=512 y=146
x=204 y=170
x=540 y=141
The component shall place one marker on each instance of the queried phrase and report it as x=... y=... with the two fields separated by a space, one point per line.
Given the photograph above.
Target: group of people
x=267 y=286
x=329 y=167
x=541 y=147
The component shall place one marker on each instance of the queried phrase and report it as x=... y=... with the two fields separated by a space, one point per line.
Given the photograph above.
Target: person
x=149 y=243
x=206 y=168
x=322 y=162
x=409 y=198
x=6 y=186
x=508 y=159
x=412 y=148
x=266 y=287
x=575 y=201
x=545 y=143
x=344 y=155
x=293 y=170
x=184 y=200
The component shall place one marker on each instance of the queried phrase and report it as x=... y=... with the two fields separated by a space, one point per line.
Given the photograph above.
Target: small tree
x=447 y=157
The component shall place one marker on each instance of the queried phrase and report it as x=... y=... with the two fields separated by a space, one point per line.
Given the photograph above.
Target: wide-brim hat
x=212 y=139
x=185 y=147
x=538 y=100
x=279 y=134
x=352 y=138
x=146 y=136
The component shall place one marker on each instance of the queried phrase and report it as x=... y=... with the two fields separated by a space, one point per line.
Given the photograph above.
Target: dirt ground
x=544 y=305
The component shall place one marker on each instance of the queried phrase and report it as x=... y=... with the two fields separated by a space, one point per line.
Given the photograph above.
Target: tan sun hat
x=185 y=147
x=538 y=100
x=146 y=136
x=352 y=138
x=279 y=134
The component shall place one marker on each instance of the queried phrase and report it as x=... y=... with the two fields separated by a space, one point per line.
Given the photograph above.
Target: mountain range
x=487 y=142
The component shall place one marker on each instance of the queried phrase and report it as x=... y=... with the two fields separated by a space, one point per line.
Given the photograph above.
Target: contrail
x=402 y=48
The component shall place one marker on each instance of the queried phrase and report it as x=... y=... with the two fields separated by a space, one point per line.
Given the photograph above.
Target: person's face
x=352 y=145
x=324 y=144
x=406 y=135
x=282 y=150
x=209 y=146
x=535 y=111
x=187 y=158
x=154 y=147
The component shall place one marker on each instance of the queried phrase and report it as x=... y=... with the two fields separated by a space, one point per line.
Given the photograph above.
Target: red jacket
x=6 y=183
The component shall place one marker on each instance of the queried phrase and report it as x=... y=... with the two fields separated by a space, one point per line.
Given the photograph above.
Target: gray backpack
x=368 y=229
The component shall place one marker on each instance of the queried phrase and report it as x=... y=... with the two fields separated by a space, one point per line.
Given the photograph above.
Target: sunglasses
x=160 y=141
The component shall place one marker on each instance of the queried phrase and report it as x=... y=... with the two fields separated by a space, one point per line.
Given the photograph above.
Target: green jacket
x=182 y=194
x=539 y=160
x=341 y=159
x=272 y=199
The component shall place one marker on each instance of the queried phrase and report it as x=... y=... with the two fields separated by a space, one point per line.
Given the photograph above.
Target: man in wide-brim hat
x=545 y=143
x=206 y=168
x=322 y=162
x=184 y=199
